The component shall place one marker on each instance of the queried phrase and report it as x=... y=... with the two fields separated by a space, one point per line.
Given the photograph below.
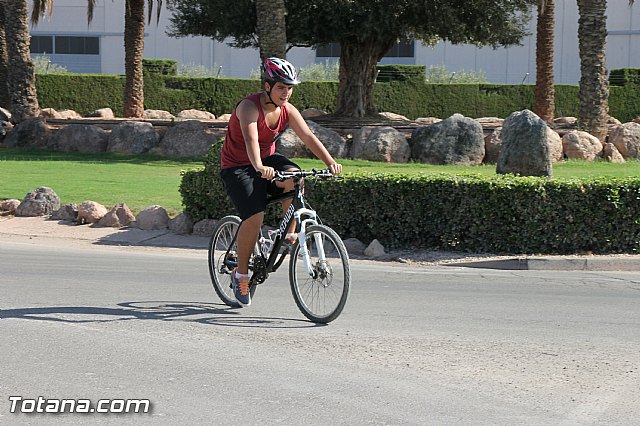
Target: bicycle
x=319 y=269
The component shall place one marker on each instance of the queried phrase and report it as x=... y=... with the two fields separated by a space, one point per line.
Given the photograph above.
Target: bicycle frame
x=303 y=217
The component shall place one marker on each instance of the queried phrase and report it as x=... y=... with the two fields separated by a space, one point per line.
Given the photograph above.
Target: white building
x=68 y=40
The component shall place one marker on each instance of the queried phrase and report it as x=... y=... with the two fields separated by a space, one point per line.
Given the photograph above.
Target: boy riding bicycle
x=249 y=161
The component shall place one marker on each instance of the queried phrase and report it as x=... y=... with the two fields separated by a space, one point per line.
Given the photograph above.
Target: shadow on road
x=202 y=313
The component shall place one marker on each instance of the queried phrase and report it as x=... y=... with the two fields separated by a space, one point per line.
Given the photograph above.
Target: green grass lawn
x=142 y=180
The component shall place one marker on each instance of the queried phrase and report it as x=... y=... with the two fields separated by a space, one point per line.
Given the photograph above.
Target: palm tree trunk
x=357 y=76
x=594 y=87
x=5 y=100
x=133 y=52
x=271 y=28
x=21 y=77
x=545 y=92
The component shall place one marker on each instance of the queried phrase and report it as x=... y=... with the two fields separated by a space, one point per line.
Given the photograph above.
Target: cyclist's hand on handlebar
x=265 y=172
x=335 y=168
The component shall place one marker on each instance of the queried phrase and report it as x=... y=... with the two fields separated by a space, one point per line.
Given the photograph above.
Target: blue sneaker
x=240 y=287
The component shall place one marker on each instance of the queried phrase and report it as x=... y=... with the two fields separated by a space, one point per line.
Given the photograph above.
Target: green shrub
x=160 y=66
x=500 y=214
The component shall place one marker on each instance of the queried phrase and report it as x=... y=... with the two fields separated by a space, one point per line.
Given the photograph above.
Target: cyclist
x=249 y=159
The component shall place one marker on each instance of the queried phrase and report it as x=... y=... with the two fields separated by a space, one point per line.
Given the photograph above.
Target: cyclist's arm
x=299 y=126
x=248 y=116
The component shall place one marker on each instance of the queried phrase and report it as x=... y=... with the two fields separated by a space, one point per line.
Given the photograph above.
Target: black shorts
x=247 y=190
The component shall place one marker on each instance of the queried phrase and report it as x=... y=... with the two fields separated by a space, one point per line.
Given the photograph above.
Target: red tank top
x=234 y=150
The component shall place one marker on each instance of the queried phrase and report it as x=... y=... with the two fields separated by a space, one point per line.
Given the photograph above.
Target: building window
x=42 y=44
x=402 y=49
x=66 y=45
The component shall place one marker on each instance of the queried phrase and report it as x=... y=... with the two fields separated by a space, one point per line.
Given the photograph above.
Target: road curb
x=559 y=263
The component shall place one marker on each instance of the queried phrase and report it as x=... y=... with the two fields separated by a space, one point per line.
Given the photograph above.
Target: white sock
x=239 y=275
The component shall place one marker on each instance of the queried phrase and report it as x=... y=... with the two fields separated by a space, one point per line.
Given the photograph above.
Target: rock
x=490 y=121
x=181 y=224
x=39 y=202
x=385 y=144
x=5 y=127
x=48 y=113
x=106 y=113
x=612 y=121
x=66 y=212
x=354 y=246
x=119 y=216
x=9 y=206
x=204 y=228
x=5 y=115
x=555 y=145
x=374 y=249
x=224 y=117
x=428 y=121
x=157 y=114
x=153 y=217
x=492 y=146
x=90 y=212
x=291 y=146
x=393 y=116
x=525 y=147
x=133 y=137
x=310 y=113
x=79 y=138
x=611 y=154
x=195 y=114
x=626 y=138
x=579 y=145
x=68 y=114
x=456 y=140
x=566 y=120
x=32 y=133
x=188 y=139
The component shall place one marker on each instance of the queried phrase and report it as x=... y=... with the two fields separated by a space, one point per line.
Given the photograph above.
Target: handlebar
x=324 y=173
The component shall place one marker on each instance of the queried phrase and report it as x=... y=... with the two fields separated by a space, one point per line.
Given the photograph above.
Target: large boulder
x=187 y=139
x=555 y=145
x=133 y=137
x=181 y=224
x=32 y=133
x=579 y=145
x=385 y=144
x=9 y=206
x=39 y=202
x=119 y=216
x=66 y=213
x=79 y=138
x=492 y=146
x=626 y=138
x=153 y=217
x=158 y=114
x=456 y=140
x=195 y=114
x=90 y=212
x=104 y=113
x=525 y=147
x=290 y=145
x=611 y=154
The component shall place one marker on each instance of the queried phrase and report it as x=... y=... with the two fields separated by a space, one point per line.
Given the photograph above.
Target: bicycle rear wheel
x=322 y=295
x=223 y=259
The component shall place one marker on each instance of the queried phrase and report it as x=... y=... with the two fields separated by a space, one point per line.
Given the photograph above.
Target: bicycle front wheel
x=322 y=292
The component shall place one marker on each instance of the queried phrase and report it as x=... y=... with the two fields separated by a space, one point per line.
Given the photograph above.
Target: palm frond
x=39 y=9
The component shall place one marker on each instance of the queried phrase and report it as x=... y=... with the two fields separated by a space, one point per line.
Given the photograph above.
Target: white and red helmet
x=276 y=69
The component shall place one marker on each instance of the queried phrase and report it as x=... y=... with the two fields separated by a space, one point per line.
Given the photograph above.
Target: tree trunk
x=545 y=92
x=21 y=77
x=133 y=51
x=5 y=100
x=357 y=76
x=594 y=87
x=271 y=28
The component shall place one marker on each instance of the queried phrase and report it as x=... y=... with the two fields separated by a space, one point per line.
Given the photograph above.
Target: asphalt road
x=415 y=345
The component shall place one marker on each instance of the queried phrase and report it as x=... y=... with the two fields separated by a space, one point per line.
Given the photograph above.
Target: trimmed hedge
x=411 y=98
x=501 y=214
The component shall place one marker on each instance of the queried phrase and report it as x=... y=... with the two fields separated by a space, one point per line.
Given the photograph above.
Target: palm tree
x=545 y=92
x=594 y=87
x=5 y=100
x=21 y=79
x=133 y=47
x=271 y=28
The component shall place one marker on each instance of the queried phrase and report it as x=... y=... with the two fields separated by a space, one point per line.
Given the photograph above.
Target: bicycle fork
x=302 y=240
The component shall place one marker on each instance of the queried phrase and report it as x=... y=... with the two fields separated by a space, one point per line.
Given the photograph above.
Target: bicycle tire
x=221 y=265
x=321 y=299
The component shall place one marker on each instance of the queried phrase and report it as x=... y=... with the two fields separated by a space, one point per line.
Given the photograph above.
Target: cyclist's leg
x=248 y=192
